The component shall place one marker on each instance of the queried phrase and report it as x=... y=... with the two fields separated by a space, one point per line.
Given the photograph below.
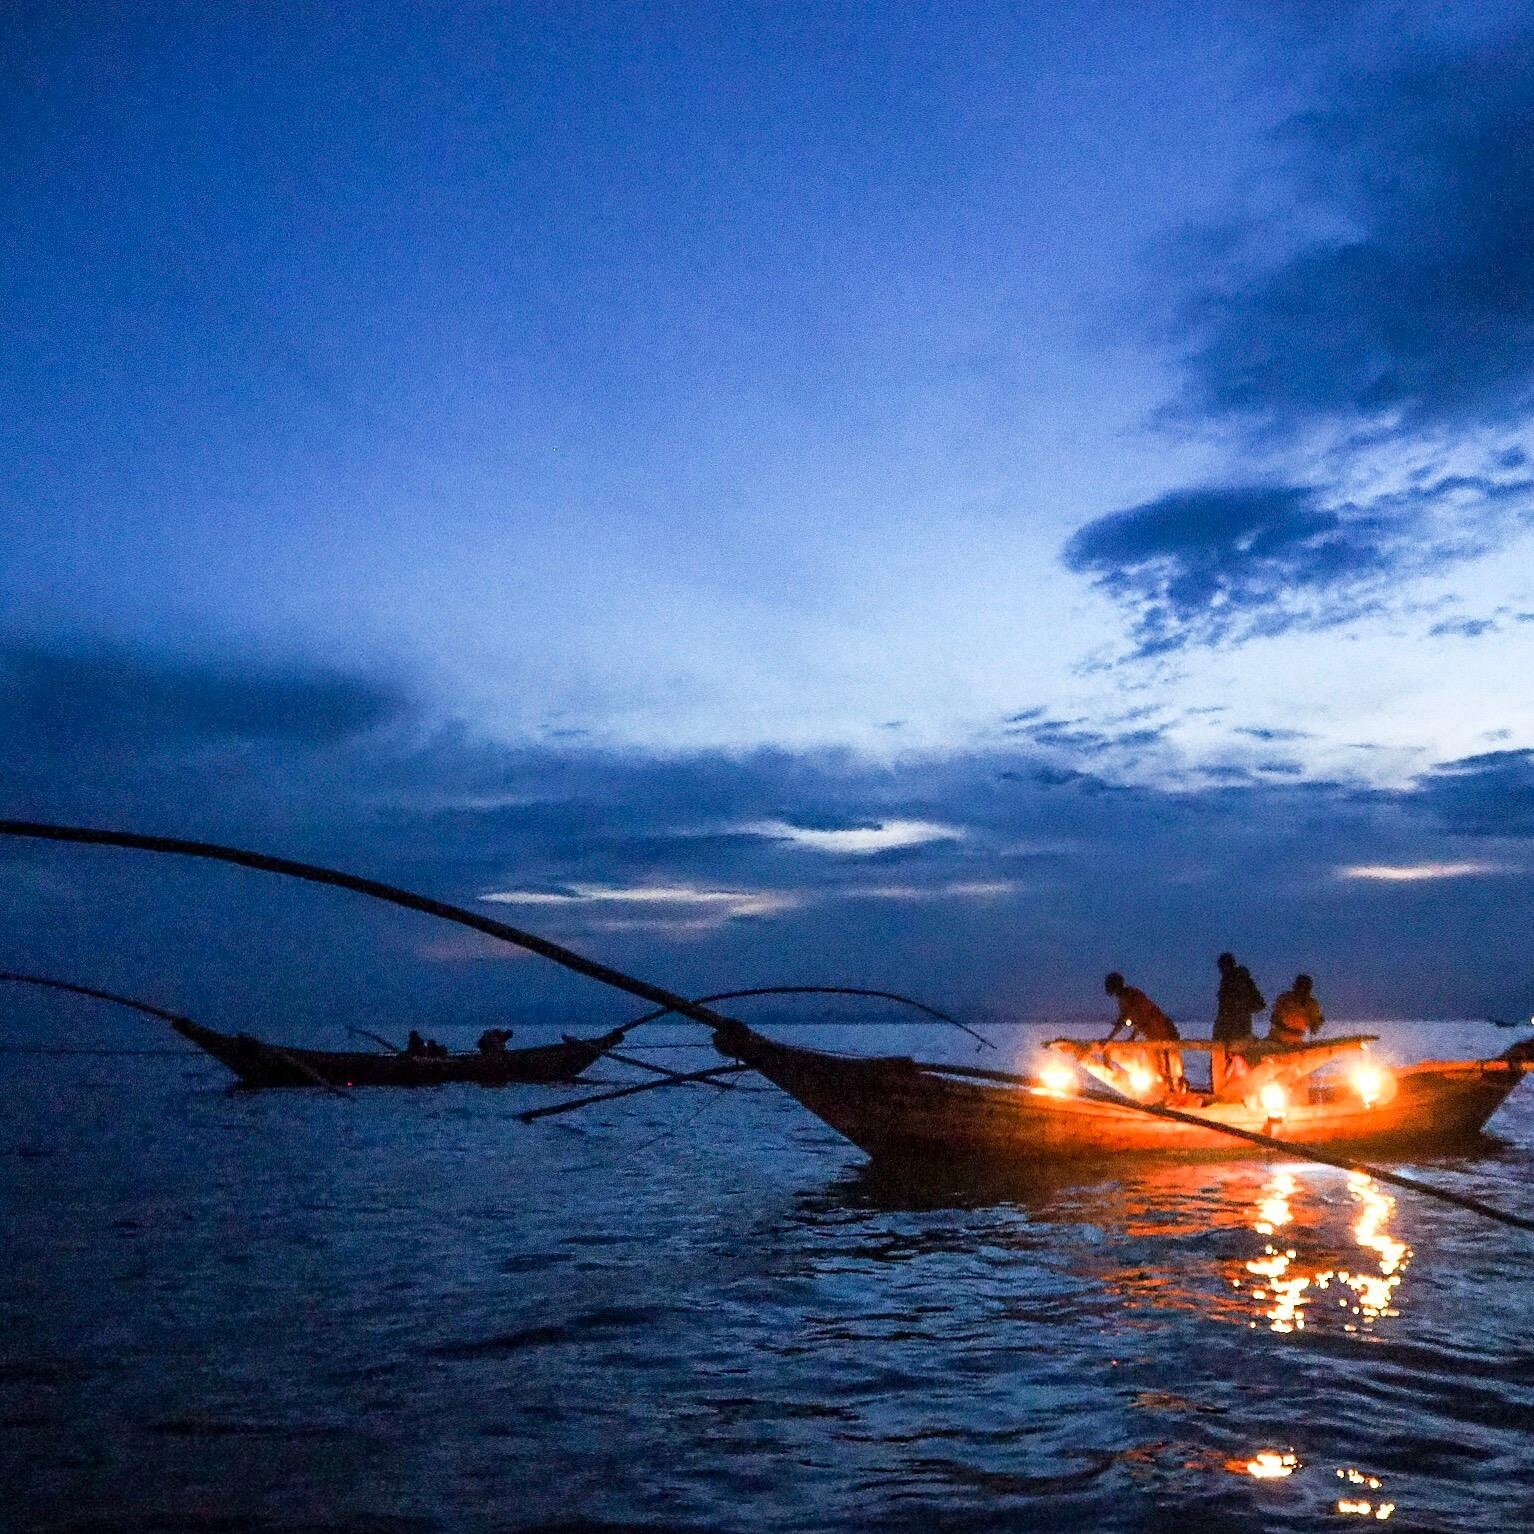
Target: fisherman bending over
x=1295 y=1014
x=1147 y=1021
x=1144 y=1018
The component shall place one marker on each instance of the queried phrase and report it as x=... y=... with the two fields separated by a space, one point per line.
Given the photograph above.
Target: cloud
x=1416 y=873
x=710 y=868
x=1412 y=302
x=975 y=889
x=722 y=904
x=1227 y=562
x=1490 y=794
x=1376 y=336
x=1463 y=628
x=859 y=840
x=1269 y=733
x=120 y=697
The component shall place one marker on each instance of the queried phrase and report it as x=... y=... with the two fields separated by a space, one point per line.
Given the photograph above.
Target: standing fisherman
x=1239 y=1001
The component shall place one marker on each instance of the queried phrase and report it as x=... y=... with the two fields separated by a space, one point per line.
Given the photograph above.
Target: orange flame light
x=1274 y=1100
x=1057 y=1077
x=1370 y=1082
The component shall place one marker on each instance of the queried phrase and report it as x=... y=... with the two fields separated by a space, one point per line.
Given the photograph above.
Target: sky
x=956 y=498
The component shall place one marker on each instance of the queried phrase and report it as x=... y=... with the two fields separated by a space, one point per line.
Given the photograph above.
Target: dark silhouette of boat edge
x=261 y=1064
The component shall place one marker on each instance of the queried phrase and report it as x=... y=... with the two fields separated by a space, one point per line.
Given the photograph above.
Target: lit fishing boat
x=898 y=1109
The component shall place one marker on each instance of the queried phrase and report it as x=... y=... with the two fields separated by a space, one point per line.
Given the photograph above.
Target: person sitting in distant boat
x=493 y=1041
x=415 y=1044
x=1296 y=1013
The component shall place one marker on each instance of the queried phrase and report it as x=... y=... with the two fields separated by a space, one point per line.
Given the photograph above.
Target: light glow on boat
x=1274 y=1100
x=1140 y=1081
x=1057 y=1077
x=1369 y=1081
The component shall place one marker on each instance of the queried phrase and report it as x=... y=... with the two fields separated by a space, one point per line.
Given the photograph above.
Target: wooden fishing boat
x=899 y=1110
x=259 y=1064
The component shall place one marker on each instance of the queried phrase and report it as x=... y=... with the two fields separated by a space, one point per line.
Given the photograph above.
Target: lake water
x=697 y=1310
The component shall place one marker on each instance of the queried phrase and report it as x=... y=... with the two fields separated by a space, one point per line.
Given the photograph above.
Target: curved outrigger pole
x=95 y=995
x=656 y=995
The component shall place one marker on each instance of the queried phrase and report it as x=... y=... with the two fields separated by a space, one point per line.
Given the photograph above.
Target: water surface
x=409 y=1312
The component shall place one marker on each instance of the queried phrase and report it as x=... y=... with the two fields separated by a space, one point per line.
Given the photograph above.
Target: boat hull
x=898 y=1111
x=259 y=1064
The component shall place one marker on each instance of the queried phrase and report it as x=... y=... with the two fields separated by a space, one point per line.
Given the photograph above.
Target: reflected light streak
x=1286 y=1290
x=1271 y=1465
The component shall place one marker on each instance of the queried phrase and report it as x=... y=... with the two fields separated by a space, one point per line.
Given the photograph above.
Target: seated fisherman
x=415 y=1044
x=1147 y=1021
x=493 y=1041
x=1296 y=1013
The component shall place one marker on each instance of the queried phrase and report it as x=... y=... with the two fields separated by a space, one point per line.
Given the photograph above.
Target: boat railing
x=1252 y=1049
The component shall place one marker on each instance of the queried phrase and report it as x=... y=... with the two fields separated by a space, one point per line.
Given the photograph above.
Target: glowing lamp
x=1274 y=1100
x=1140 y=1080
x=1056 y=1076
x=1372 y=1083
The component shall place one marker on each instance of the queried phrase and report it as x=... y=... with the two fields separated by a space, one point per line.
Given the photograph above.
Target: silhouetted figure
x=1295 y=1014
x=1239 y=1001
x=415 y=1044
x=1143 y=1017
x=435 y=1051
x=493 y=1041
x=1146 y=1020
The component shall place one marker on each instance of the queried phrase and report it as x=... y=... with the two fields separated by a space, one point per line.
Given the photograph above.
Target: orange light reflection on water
x=1287 y=1284
x=1291 y=1276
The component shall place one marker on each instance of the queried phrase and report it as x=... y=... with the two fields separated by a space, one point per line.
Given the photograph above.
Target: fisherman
x=1146 y=1020
x=1296 y=1013
x=435 y=1051
x=493 y=1041
x=1238 y=1002
x=415 y=1044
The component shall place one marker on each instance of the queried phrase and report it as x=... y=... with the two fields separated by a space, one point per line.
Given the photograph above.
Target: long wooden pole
x=819 y=990
x=656 y=995
x=710 y=1075
x=91 y=991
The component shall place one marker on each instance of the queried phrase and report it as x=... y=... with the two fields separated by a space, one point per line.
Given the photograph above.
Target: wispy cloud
x=974 y=889
x=1414 y=873
x=859 y=840
x=715 y=905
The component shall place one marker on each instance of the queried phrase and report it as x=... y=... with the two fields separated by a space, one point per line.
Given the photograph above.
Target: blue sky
x=957 y=497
